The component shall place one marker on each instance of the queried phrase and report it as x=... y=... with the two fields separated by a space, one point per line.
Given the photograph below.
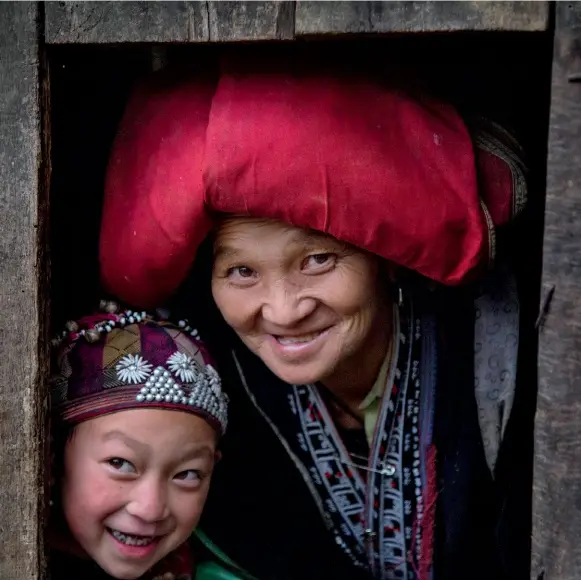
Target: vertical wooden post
x=557 y=475
x=22 y=308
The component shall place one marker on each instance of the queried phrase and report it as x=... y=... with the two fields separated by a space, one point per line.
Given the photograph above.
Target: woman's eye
x=318 y=261
x=240 y=272
x=190 y=475
x=121 y=465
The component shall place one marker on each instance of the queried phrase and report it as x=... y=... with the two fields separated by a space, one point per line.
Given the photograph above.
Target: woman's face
x=134 y=486
x=308 y=305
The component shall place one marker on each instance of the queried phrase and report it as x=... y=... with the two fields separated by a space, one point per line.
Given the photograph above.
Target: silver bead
x=168 y=398
x=156 y=372
x=149 y=397
x=182 y=323
x=184 y=401
x=92 y=335
x=158 y=398
x=140 y=398
x=131 y=320
x=191 y=402
x=176 y=399
x=72 y=326
x=153 y=390
x=111 y=307
x=166 y=374
x=145 y=390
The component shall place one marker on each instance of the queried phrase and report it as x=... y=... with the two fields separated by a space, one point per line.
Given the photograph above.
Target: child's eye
x=190 y=475
x=121 y=465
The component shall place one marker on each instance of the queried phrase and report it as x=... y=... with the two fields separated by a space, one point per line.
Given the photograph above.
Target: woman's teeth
x=297 y=339
x=132 y=540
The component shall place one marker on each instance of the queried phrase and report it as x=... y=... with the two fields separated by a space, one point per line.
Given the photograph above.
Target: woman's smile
x=298 y=346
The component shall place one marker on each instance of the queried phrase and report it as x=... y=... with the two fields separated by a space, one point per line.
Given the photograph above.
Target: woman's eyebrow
x=224 y=251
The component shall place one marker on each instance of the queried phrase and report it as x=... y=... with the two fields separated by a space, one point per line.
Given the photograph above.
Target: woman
x=355 y=448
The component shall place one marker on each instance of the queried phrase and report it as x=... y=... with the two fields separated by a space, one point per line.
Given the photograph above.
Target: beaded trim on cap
x=181 y=381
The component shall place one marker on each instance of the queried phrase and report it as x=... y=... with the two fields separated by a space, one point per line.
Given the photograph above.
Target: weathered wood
x=557 y=470
x=235 y=21
x=22 y=324
x=221 y=21
x=120 y=22
x=115 y=22
x=316 y=18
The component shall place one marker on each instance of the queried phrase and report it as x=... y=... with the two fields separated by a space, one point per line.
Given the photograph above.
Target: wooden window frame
x=25 y=30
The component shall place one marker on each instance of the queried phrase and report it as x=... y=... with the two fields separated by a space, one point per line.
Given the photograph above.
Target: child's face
x=134 y=486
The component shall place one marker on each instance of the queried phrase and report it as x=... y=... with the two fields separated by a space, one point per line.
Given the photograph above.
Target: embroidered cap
x=115 y=361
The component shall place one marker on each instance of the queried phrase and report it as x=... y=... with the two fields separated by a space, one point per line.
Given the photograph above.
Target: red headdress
x=399 y=177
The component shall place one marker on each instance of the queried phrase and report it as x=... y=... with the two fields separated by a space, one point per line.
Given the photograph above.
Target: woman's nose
x=149 y=502
x=285 y=307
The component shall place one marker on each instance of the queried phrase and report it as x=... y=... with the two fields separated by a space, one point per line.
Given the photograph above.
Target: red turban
x=367 y=164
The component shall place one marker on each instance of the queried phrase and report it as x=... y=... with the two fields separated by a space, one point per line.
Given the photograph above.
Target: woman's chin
x=294 y=375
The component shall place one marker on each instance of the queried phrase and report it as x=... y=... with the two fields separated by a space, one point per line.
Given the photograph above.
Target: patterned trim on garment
x=378 y=521
x=493 y=138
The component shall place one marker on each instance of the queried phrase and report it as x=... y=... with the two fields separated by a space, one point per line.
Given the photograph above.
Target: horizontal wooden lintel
x=183 y=22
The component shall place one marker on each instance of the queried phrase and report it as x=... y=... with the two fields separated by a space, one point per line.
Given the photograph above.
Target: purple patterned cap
x=115 y=361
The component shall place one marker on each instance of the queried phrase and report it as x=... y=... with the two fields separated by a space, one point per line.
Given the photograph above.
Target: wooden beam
x=120 y=22
x=244 y=21
x=318 y=18
x=222 y=21
x=22 y=283
x=557 y=470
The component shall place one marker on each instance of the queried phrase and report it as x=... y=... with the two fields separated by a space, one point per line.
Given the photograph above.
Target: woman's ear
x=217 y=456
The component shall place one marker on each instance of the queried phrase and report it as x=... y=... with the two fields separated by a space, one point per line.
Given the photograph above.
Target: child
x=137 y=414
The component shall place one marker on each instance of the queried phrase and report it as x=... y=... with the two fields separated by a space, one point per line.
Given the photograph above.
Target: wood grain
x=22 y=283
x=316 y=18
x=557 y=471
x=245 y=21
x=120 y=22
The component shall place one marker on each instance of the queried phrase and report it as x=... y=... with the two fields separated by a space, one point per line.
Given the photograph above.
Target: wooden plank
x=22 y=327
x=236 y=21
x=120 y=22
x=317 y=18
x=557 y=470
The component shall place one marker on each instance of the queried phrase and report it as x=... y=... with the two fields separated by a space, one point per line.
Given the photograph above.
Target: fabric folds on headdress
x=153 y=213
x=365 y=163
